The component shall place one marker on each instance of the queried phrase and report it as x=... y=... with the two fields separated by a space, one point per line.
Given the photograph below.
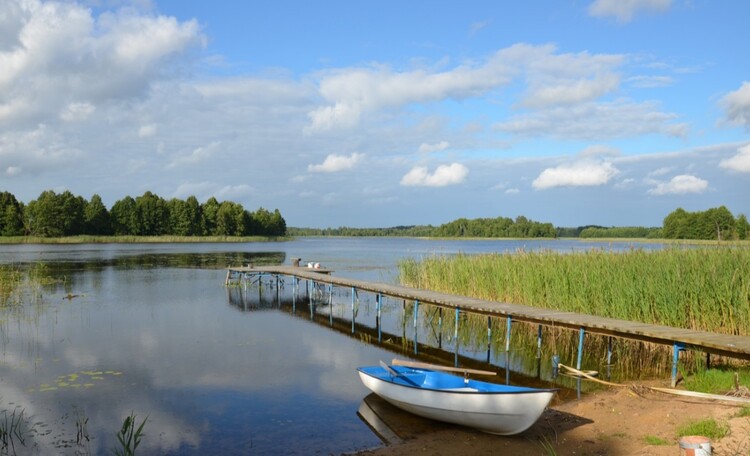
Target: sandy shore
x=608 y=422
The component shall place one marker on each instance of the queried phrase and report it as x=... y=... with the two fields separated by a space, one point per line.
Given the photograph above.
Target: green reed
x=698 y=288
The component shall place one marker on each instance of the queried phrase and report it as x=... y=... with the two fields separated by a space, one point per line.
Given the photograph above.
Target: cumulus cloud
x=335 y=163
x=579 y=174
x=679 y=185
x=444 y=175
x=739 y=162
x=425 y=148
x=60 y=61
x=626 y=10
x=737 y=105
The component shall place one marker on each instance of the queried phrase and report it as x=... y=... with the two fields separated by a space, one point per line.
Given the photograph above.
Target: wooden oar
x=396 y=373
x=418 y=365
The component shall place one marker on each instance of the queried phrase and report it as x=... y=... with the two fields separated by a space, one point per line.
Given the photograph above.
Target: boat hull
x=496 y=409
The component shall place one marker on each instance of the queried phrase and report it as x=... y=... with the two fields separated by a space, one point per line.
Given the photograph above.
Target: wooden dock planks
x=721 y=344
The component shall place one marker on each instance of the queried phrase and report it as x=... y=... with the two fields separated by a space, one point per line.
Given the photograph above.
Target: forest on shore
x=65 y=214
x=712 y=224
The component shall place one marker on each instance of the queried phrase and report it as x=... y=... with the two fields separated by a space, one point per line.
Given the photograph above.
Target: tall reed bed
x=697 y=288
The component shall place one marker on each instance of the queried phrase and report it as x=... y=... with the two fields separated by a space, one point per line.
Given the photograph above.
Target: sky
x=383 y=113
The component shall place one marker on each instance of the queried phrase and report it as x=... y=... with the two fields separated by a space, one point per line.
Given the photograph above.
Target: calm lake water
x=152 y=330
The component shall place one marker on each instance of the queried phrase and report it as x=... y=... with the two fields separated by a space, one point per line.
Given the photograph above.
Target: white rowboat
x=489 y=407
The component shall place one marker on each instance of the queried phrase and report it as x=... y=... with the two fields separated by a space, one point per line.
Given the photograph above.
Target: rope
x=695 y=394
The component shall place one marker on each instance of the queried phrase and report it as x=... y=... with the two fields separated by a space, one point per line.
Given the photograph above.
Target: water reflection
x=146 y=329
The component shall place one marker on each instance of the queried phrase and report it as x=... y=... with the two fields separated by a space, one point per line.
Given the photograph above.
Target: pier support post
x=416 y=316
x=489 y=337
x=354 y=293
x=455 y=337
x=440 y=328
x=330 y=304
x=676 y=349
x=579 y=361
x=507 y=349
x=379 y=305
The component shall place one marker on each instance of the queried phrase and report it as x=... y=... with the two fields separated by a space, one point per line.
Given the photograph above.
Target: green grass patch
x=708 y=427
x=654 y=440
x=716 y=380
x=743 y=412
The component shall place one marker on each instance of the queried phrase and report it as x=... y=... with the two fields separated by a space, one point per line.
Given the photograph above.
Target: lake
x=150 y=329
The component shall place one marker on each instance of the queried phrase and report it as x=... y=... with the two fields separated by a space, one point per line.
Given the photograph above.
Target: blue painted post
x=609 y=357
x=455 y=337
x=294 y=294
x=581 y=335
x=539 y=343
x=489 y=337
x=416 y=314
x=354 y=291
x=676 y=348
x=440 y=328
x=507 y=349
x=330 y=304
x=380 y=328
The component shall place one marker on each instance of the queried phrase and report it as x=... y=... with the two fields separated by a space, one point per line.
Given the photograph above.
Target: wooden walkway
x=720 y=344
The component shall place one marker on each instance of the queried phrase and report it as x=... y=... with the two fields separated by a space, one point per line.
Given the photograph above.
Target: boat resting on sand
x=427 y=392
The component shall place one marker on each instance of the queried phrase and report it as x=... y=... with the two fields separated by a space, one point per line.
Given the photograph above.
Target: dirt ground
x=613 y=421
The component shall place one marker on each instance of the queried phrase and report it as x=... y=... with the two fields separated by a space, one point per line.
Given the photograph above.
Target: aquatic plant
x=129 y=436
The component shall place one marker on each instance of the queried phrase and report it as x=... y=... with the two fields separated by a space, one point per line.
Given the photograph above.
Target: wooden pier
x=679 y=339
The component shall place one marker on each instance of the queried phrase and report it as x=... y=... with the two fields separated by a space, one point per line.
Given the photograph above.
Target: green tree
x=743 y=228
x=96 y=217
x=209 y=210
x=124 y=218
x=152 y=215
x=11 y=215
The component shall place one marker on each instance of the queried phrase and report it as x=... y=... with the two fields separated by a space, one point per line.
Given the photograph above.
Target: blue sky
x=373 y=114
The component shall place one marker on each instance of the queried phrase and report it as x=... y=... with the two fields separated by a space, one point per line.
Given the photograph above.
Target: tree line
x=500 y=227
x=65 y=214
x=716 y=223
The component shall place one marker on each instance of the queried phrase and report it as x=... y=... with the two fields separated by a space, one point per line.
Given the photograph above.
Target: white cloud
x=650 y=82
x=425 y=148
x=596 y=121
x=625 y=10
x=60 y=61
x=198 y=155
x=739 y=162
x=76 y=112
x=444 y=175
x=579 y=174
x=737 y=105
x=147 y=131
x=335 y=163
x=512 y=191
x=571 y=92
x=680 y=185
x=12 y=170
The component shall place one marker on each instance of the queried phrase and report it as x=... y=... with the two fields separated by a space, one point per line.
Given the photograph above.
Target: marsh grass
x=702 y=288
x=129 y=436
x=708 y=427
x=15 y=429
